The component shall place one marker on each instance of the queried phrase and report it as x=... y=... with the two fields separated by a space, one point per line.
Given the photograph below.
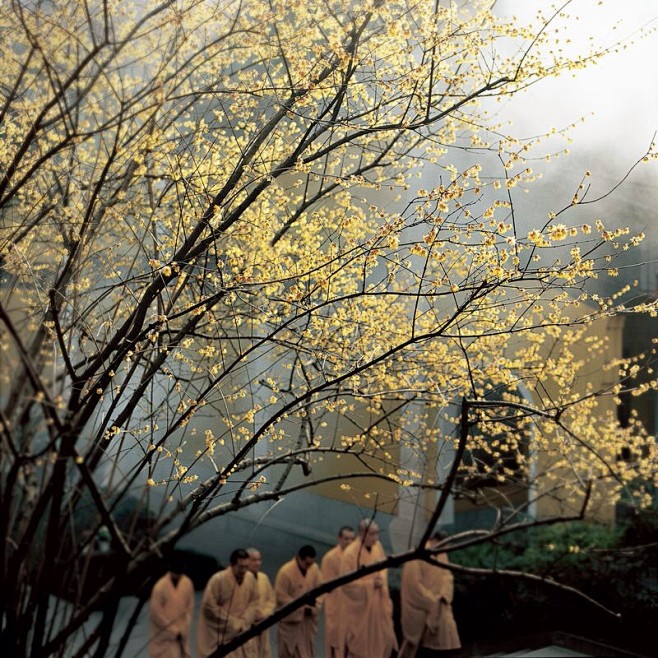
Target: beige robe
x=331 y=603
x=426 y=600
x=266 y=605
x=367 y=610
x=227 y=609
x=297 y=632
x=170 y=614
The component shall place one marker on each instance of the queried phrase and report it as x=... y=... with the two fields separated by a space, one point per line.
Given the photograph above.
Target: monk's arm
x=330 y=568
x=251 y=611
x=317 y=581
x=213 y=608
x=357 y=590
x=269 y=601
x=447 y=589
x=157 y=611
x=189 y=607
x=284 y=595
x=416 y=591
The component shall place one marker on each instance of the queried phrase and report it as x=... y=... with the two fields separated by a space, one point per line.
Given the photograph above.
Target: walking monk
x=367 y=608
x=266 y=602
x=228 y=607
x=332 y=613
x=426 y=598
x=297 y=632
x=170 y=613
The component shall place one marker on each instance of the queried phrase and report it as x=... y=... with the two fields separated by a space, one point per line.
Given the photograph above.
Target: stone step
x=551 y=651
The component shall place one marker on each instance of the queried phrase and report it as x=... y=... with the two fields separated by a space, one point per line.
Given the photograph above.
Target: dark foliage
x=616 y=567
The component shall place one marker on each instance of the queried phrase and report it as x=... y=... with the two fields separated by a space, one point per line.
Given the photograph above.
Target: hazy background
x=618 y=98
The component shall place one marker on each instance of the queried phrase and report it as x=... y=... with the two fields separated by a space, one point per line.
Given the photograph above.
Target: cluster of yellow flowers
x=217 y=205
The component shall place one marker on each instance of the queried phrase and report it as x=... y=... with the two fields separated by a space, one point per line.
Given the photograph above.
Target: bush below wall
x=616 y=567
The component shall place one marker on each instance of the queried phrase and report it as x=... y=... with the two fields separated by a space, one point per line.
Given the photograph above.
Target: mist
x=613 y=107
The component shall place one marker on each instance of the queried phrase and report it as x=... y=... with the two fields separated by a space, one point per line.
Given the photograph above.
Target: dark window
x=498 y=444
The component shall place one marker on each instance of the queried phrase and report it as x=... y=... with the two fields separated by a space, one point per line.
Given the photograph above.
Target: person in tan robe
x=426 y=599
x=297 y=632
x=330 y=569
x=228 y=607
x=266 y=603
x=171 y=606
x=367 y=609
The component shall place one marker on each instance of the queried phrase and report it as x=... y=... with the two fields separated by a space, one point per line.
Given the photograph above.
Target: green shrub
x=608 y=564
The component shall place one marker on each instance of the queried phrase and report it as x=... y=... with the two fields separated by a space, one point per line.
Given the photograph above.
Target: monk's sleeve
x=357 y=590
x=380 y=555
x=330 y=568
x=416 y=592
x=214 y=609
x=253 y=601
x=189 y=605
x=182 y=612
x=316 y=582
x=268 y=602
x=283 y=588
x=447 y=581
x=158 y=612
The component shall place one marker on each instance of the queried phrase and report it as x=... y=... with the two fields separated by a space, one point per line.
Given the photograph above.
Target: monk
x=266 y=602
x=170 y=614
x=330 y=569
x=228 y=607
x=297 y=632
x=426 y=598
x=367 y=609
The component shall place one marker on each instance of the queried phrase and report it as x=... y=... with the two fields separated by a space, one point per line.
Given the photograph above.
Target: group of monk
x=358 y=616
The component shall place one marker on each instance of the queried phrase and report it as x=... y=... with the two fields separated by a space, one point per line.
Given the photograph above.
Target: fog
x=606 y=116
x=617 y=95
x=617 y=98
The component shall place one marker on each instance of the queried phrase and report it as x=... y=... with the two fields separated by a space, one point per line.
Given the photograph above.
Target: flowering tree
x=219 y=278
